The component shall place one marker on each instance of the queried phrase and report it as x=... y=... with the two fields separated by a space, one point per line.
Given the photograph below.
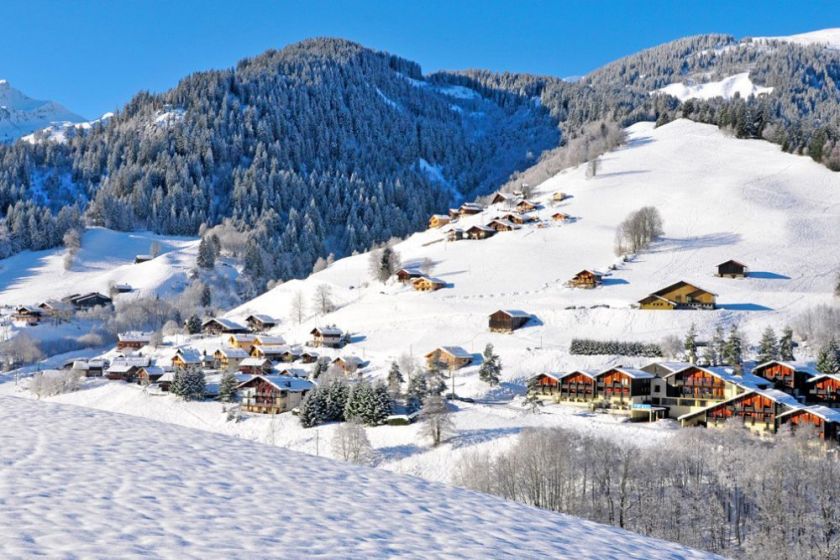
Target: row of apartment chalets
x=770 y=395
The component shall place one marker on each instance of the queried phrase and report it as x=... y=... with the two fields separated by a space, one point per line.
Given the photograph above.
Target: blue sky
x=94 y=55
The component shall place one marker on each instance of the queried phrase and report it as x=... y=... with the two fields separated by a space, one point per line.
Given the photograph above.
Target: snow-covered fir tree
x=206 y=254
x=768 y=346
x=786 y=345
x=313 y=409
x=532 y=400
x=395 y=380
x=417 y=390
x=491 y=368
x=690 y=344
x=227 y=387
x=733 y=350
x=193 y=324
x=188 y=383
x=828 y=358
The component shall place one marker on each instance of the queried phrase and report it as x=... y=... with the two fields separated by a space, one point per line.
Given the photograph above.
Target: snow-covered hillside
x=726 y=88
x=828 y=37
x=79 y=483
x=720 y=198
x=106 y=258
x=61 y=131
x=21 y=115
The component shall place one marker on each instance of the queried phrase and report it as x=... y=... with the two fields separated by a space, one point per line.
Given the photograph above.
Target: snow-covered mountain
x=21 y=115
x=827 y=37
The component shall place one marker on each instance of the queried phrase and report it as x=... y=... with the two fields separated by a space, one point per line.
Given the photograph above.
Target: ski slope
x=106 y=257
x=76 y=483
x=725 y=88
x=827 y=37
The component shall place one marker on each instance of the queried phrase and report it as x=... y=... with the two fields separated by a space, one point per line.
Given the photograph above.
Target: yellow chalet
x=681 y=295
x=438 y=220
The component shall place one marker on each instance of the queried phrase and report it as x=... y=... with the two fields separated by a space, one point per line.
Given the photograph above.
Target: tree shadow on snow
x=466 y=438
x=399 y=452
x=670 y=244
x=622 y=173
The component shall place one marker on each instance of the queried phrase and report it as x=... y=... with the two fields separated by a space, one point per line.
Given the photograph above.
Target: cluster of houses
x=769 y=396
x=31 y=315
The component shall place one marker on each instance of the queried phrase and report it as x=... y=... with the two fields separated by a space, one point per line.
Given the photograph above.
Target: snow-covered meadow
x=77 y=483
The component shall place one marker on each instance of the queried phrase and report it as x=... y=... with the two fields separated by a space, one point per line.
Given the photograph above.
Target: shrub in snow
x=491 y=368
x=49 y=383
x=350 y=443
x=588 y=347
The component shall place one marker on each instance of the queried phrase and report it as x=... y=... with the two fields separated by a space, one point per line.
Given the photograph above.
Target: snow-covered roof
x=122 y=367
x=327 y=331
x=671 y=366
x=480 y=228
x=227 y=324
x=268 y=340
x=232 y=352
x=261 y=318
x=455 y=351
x=135 y=336
x=822 y=376
x=516 y=313
x=431 y=279
x=441 y=217
x=243 y=338
x=284 y=382
x=30 y=309
x=775 y=395
x=824 y=412
x=802 y=367
x=727 y=374
x=349 y=360
x=254 y=362
x=629 y=372
x=588 y=373
x=188 y=355
x=274 y=349
x=504 y=222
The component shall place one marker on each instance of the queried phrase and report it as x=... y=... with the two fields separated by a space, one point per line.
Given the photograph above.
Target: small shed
x=586 y=279
x=406 y=275
x=470 y=208
x=259 y=322
x=427 y=284
x=525 y=206
x=480 y=232
x=254 y=366
x=560 y=217
x=331 y=337
x=438 y=220
x=449 y=357
x=501 y=224
x=732 y=269
x=559 y=196
x=218 y=325
x=508 y=320
x=133 y=340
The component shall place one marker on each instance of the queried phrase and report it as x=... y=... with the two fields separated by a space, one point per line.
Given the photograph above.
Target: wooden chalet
x=269 y=340
x=573 y=387
x=254 y=366
x=791 y=377
x=309 y=357
x=693 y=388
x=187 y=357
x=329 y=337
x=470 y=208
x=824 y=389
x=27 y=315
x=586 y=279
x=502 y=198
x=272 y=394
x=560 y=217
x=623 y=386
x=449 y=357
x=427 y=284
x=260 y=322
x=87 y=301
x=508 y=320
x=149 y=374
x=133 y=340
x=229 y=357
x=347 y=364
x=480 y=232
x=501 y=224
x=517 y=219
x=242 y=340
x=825 y=421
x=89 y=368
x=438 y=221
x=164 y=382
x=559 y=196
x=218 y=325
x=454 y=234
x=757 y=409
x=732 y=269
x=680 y=295
x=271 y=352
x=406 y=275
x=125 y=369
x=525 y=205
x=453 y=214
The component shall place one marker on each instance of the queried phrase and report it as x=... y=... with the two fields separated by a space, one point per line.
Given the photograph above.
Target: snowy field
x=76 y=483
x=725 y=88
x=106 y=257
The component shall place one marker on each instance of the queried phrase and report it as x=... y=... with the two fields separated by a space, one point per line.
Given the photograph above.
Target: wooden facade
x=427 y=284
x=758 y=412
x=560 y=217
x=133 y=341
x=508 y=320
x=824 y=421
x=449 y=357
x=254 y=366
x=825 y=390
x=27 y=315
x=229 y=358
x=470 y=208
x=438 y=220
x=623 y=385
x=330 y=337
x=785 y=376
x=260 y=323
x=732 y=269
x=524 y=206
x=577 y=386
x=680 y=295
x=500 y=224
x=222 y=326
x=480 y=232
x=586 y=279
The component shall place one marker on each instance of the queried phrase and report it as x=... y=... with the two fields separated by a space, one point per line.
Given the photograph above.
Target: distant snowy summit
x=827 y=37
x=21 y=115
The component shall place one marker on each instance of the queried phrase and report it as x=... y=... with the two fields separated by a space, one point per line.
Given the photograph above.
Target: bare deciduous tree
x=322 y=300
x=350 y=443
x=298 y=307
x=437 y=422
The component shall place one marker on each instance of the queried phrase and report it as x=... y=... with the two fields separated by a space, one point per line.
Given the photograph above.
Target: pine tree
x=491 y=368
x=435 y=382
x=368 y=404
x=768 y=347
x=319 y=368
x=718 y=346
x=227 y=387
x=395 y=379
x=417 y=390
x=188 y=383
x=786 y=345
x=193 y=324
x=828 y=359
x=733 y=351
x=312 y=409
x=206 y=296
x=691 y=344
x=336 y=396
x=206 y=255
x=532 y=399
